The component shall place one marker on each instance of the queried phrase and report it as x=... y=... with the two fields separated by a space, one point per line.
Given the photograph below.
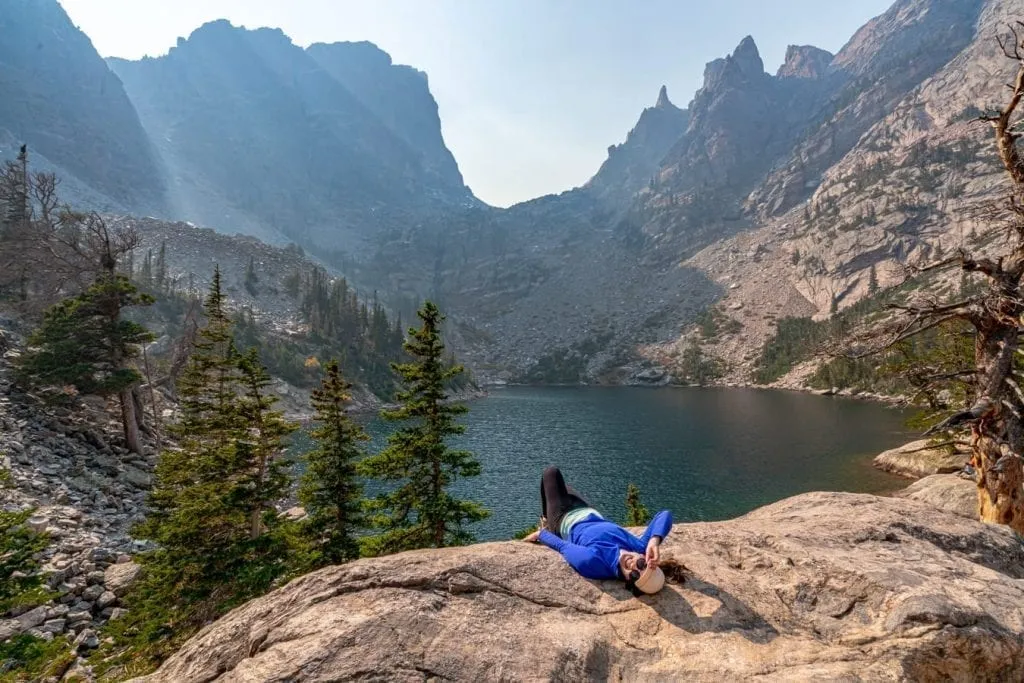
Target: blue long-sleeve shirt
x=594 y=544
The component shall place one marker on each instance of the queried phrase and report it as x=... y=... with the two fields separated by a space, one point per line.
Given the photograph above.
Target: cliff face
x=631 y=165
x=824 y=586
x=324 y=147
x=60 y=98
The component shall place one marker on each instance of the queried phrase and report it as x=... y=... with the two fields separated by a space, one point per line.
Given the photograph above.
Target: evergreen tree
x=636 y=512
x=872 y=280
x=262 y=446
x=331 y=491
x=161 y=266
x=420 y=512
x=85 y=342
x=224 y=474
x=146 y=273
x=15 y=191
x=251 y=279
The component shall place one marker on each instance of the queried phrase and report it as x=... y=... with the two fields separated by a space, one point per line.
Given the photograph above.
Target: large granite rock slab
x=820 y=587
x=946 y=492
x=916 y=460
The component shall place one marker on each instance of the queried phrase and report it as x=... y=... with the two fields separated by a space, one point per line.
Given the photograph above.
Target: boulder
x=823 y=586
x=118 y=578
x=915 y=460
x=32 y=618
x=946 y=492
x=138 y=478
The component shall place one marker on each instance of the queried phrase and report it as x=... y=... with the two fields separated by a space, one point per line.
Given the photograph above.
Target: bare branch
x=981 y=408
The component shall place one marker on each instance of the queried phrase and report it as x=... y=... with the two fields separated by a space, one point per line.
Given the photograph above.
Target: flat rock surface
x=820 y=587
x=947 y=492
x=915 y=460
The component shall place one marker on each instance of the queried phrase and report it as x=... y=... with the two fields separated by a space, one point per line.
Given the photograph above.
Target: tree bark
x=129 y=421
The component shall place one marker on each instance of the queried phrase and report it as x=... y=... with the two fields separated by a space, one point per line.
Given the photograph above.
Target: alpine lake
x=704 y=453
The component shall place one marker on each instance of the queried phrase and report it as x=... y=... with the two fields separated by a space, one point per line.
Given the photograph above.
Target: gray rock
x=118 y=578
x=95 y=577
x=9 y=628
x=92 y=593
x=32 y=618
x=76 y=616
x=53 y=626
x=106 y=600
x=138 y=478
x=57 y=612
x=86 y=640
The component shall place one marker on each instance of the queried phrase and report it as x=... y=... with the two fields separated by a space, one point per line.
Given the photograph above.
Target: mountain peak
x=663 y=100
x=805 y=61
x=748 y=58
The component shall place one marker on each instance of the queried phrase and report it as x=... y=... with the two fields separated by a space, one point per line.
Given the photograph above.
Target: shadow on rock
x=697 y=606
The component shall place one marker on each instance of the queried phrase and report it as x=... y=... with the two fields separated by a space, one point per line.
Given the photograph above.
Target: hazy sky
x=531 y=92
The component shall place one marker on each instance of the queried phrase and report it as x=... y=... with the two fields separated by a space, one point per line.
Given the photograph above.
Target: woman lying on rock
x=595 y=547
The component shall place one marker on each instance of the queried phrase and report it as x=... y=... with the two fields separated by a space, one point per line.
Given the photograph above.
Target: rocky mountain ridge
x=766 y=196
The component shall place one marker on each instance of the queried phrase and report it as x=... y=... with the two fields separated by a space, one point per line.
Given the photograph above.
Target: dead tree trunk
x=129 y=421
x=996 y=420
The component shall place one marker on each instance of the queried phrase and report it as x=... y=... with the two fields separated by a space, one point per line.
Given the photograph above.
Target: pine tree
x=872 y=280
x=16 y=191
x=85 y=342
x=263 y=445
x=331 y=491
x=251 y=279
x=161 y=266
x=224 y=473
x=636 y=512
x=420 y=512
x=146 y=272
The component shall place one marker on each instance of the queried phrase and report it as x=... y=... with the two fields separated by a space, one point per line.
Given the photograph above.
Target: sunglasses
x=641 y=566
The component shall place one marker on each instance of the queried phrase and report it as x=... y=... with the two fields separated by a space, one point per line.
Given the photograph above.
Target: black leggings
x=556 y=499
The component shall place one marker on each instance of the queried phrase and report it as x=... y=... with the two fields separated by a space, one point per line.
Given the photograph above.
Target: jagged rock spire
x=748 y=58
x=663 y=100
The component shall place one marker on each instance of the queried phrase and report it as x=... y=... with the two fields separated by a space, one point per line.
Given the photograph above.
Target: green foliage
x=566 y=366
x=18 y=547
x=637 y=513
x=24 y=657
x=799 y=339
x=84 y=341
x=27 y=658
x=695 y=367
x=251 y=279
x=419 y=512
x=211 y=514
x=359 y=334
x=713 y=323
x=331 y=492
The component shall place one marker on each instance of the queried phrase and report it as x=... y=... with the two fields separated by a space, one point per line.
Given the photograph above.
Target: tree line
x=213 y=523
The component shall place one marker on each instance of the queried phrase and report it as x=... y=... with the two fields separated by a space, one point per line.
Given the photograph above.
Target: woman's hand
x=653 y=553
x=532 y=538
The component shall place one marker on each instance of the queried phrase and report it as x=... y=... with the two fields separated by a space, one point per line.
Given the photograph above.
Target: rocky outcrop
x=631 y=166
x=824 y=586
x=916 y=460
x=948 y=492
x=68 y=465
x=805 y=61
x=400 y=98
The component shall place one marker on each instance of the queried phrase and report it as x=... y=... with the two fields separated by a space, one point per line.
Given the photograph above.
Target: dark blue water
x=706 y=454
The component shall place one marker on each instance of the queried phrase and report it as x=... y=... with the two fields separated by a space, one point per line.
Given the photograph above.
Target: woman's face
x=627 y=562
